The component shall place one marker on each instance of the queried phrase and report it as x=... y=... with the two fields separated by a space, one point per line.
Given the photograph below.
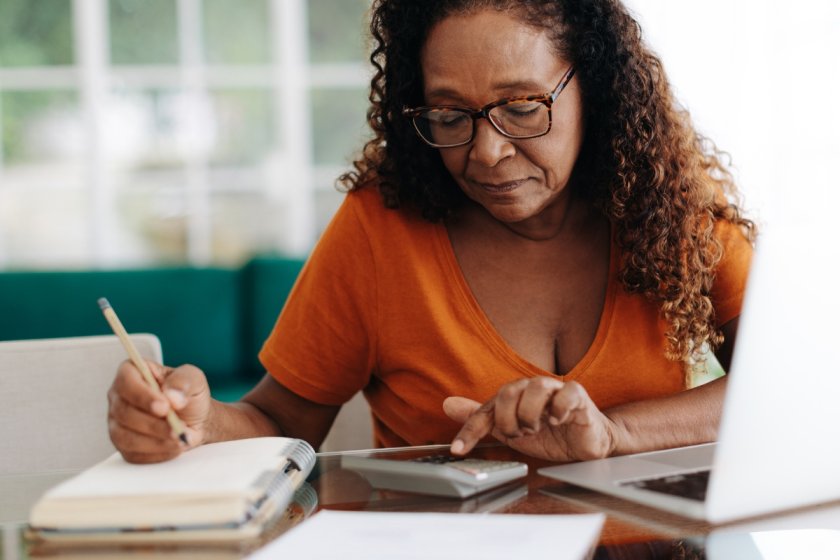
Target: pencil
x=117 y=326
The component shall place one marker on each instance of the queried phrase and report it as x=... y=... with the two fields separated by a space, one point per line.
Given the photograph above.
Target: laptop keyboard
x=688 y=485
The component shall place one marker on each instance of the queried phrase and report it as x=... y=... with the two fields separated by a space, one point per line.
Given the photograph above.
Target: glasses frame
x=546 y=99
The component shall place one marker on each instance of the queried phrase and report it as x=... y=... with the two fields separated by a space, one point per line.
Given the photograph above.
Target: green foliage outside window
x=338 y=125
x=143 y=31
x=21 y=111
x=36 y=33
x=337 y=30
x=245 y=119
x=236 y=31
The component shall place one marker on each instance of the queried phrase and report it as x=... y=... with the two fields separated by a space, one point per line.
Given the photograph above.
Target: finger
x=135 y=446
x=147 y=458
x=534 y=400
x=571 y=405
x=158 y=371
x=459 y=408
x=140 y=457
x=478 y=425
x=130 y=386
x=507 y=409
x=137 y=420
x=182 y=383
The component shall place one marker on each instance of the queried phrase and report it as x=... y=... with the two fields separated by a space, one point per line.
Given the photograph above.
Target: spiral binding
x=302 y=457
x=278 y=485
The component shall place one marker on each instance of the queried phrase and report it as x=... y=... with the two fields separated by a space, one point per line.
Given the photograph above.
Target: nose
x=489 y=146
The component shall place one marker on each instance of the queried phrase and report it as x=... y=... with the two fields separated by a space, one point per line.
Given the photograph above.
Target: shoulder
x=363 y=232
x=365 y=209
x=731 y=272
x=370 y=199
x=737 y=248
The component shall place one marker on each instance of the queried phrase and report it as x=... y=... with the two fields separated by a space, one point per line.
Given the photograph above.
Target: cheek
x=454 y=160
x=559 y=156
x=552 y=158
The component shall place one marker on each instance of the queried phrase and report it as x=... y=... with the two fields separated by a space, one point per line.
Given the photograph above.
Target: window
x=201 y=131
x=174 y=131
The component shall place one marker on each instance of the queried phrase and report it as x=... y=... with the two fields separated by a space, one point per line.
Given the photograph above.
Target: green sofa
x=215 y=318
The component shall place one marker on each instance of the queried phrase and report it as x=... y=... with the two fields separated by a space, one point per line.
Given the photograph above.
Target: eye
x=522 y=109
x=447 y=118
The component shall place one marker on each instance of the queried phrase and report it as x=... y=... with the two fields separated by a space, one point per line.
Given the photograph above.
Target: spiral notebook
x=218 y=492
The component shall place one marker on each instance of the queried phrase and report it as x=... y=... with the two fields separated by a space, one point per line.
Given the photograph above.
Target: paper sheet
x=415 y=536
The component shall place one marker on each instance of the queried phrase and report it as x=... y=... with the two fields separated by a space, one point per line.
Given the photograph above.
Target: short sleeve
x=323 y=344
x=732 y=271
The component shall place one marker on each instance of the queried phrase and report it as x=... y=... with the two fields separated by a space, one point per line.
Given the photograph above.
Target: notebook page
x=217 y=468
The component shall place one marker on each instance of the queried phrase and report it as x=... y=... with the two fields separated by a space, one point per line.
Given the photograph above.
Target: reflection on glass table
x=630 y=531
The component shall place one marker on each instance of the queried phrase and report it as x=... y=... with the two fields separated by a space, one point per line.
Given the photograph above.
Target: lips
x=501 y=187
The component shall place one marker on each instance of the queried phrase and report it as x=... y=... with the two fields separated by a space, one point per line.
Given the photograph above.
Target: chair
x=53 y=404
x=353 y=427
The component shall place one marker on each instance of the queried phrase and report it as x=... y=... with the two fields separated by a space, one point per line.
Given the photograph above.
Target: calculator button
x=483 y=466
x=438 y=459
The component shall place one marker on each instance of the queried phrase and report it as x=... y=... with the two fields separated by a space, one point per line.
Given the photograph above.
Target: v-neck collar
x=495 y=341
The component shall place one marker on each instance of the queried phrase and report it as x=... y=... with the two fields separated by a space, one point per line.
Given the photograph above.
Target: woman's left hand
x=542 y=417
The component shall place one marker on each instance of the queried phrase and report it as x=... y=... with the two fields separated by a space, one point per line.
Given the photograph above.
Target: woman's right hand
x=137 y=414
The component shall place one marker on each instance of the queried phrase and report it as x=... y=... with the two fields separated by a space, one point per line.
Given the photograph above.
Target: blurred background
x=202 y=132
x=142 y=132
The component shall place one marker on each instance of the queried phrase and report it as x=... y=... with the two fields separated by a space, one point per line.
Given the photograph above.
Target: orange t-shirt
x=382 y=305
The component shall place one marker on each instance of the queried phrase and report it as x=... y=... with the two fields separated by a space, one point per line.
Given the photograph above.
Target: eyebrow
x=526 y=87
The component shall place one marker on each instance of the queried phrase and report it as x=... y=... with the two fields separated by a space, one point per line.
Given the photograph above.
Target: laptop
x=779 y=439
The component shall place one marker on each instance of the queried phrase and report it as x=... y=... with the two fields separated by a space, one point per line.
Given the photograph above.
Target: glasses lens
x=521 y=119
x=444 y=127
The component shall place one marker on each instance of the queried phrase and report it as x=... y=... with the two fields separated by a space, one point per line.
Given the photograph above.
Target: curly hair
x=661 y=184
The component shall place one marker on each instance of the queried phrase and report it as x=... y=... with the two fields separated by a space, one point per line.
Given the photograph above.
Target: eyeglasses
x=447 y=126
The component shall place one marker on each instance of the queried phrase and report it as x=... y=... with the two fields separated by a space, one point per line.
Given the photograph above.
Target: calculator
x=441 y=475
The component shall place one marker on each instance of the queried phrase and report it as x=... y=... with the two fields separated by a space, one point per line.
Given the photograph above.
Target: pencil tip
x=183 y=437
x=103 y=303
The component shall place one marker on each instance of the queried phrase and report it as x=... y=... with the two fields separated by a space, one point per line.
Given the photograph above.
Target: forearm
x=270 y=409
x=687 y=418
x=239 y=420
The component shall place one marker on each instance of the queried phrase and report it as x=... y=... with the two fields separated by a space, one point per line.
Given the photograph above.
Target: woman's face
x=475 y=59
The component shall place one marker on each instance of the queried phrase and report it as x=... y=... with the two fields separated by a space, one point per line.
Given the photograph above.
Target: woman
x=535 y=226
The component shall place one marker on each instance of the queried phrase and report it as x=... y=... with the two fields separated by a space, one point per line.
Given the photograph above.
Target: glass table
x=630 y=530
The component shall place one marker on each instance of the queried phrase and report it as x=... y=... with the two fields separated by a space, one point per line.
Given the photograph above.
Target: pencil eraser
x=103 y=303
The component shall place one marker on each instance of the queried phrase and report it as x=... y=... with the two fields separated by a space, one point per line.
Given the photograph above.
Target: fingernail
x=457 y=446
x=528 y=431
x=176 y=397
x=553 y=420
x=159 y=408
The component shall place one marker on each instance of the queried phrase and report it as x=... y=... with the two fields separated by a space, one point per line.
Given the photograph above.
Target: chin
x=510 y=207
x=509 y=215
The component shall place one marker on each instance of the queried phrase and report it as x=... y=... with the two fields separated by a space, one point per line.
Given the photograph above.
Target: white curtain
x=762 y=79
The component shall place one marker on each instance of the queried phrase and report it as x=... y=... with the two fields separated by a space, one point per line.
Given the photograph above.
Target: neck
x=566 y=217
